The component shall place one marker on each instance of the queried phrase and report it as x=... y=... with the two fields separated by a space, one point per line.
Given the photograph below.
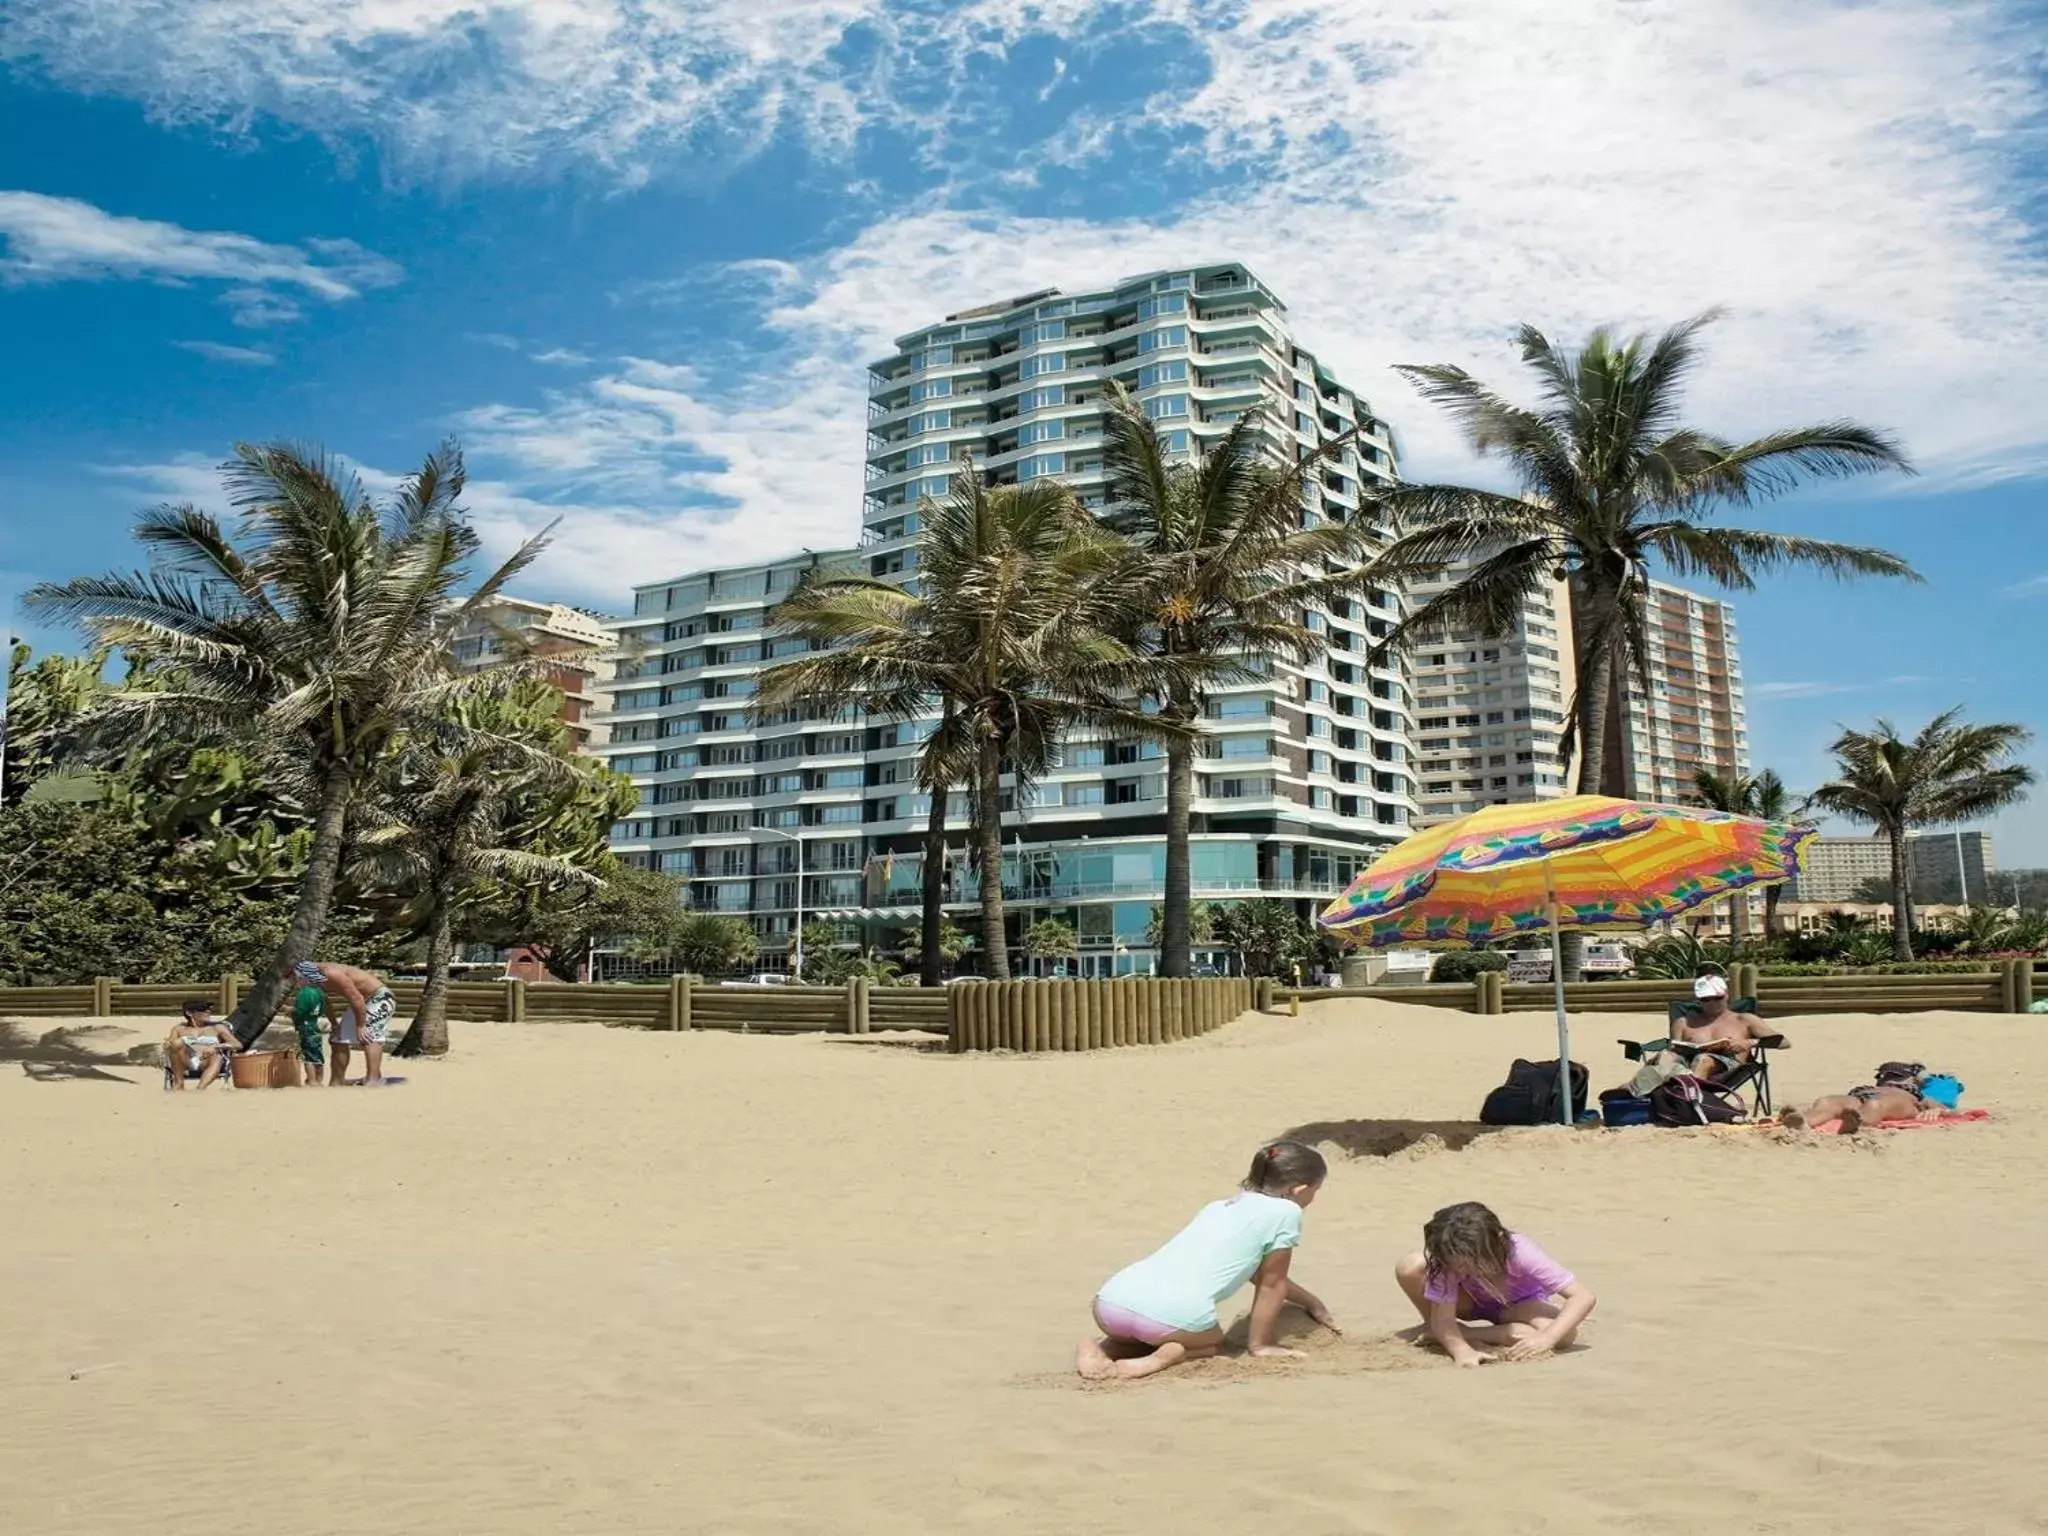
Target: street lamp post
x=798 y=943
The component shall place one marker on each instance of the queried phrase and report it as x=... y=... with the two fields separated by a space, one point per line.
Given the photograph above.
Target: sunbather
x=1896 y=1095
x=198 y=1046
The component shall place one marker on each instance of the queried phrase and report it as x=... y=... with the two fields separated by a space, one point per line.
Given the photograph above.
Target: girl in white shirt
x=1162 y=1309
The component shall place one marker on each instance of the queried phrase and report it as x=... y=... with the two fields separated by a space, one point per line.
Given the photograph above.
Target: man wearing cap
x=1724 y=1037
x=367 y=1006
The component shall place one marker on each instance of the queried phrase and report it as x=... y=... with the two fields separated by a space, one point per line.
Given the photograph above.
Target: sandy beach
x=590 y=1280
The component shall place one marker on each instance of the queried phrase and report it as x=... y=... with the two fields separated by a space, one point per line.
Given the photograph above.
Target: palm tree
x=1608 y=481
x=1947 y=772
x=1763 y=797
x=324 y=626
x=1005 y=633
x=486 y=798
x=1223 y=577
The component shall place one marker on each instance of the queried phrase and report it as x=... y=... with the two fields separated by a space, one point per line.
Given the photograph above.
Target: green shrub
x=1464 y=964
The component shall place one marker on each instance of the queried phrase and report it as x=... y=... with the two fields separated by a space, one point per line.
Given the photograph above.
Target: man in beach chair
x=197 y=1048
x=1716 y=1039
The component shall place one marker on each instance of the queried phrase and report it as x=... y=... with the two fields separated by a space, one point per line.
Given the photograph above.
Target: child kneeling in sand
x=1162 y=1309
x=1476 y=1283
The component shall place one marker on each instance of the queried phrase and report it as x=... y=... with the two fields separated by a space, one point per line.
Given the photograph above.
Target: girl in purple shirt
x=1486 y=1293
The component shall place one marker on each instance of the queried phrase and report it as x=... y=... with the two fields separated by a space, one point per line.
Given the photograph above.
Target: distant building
x=1490 y=710
x=1846 y=869
x=1952 y=866
x=1835 y=869
x=507 y=628
x=1693 y=716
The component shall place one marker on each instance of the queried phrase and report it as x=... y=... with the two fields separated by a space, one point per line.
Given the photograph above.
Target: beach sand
x=575 y=1279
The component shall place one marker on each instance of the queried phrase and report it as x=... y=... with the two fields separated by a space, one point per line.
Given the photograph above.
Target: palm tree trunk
x=316 y=894
x=1902 y=897
x=989 y=832
x=930 y=963
x=1596 y=683
x=1176 y=936
x=1771 y=895
x=428 y=1035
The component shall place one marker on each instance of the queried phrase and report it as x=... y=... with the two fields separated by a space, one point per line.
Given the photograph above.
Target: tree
x=1949 y=771
x=1007 y=634
x=44 y=700
x=481 y=798
x=562 y=926
x=954 y=942
x=713 y=945
x=1051 y=939
x=1223 y=578
x=325 y=630
x=1267 y=935
x=1609 y=481
x=1763 y=797
x=1201 y=924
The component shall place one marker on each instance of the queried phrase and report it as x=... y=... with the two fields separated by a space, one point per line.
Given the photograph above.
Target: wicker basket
x=266 y=1069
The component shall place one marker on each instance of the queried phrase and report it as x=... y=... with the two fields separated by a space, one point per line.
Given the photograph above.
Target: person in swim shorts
x=307 y=1010
x=1162 y=1310
x=1722 y=1038
x=367 y=1008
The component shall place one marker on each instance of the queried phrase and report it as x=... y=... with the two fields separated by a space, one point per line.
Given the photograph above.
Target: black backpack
x=1687 y=1100
x=1529 y=1096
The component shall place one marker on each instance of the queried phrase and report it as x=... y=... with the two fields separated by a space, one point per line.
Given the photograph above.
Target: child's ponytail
x=1285 y=1165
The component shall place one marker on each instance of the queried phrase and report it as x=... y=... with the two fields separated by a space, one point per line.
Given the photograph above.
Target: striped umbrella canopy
x=1609 y=864
x=1585 y=864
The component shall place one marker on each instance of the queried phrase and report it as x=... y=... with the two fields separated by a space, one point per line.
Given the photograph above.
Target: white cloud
x=56 y=239
x=1803 y=690
x=2033 y=586
x=562 y=357
x=253 y=357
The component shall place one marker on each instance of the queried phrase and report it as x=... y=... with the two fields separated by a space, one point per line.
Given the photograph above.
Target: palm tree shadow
x=1383 y=1138
x=66 y=1054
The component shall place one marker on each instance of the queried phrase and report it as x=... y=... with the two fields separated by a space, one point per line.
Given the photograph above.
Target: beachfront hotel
x=1304 y=777
x=1693 y=716
x=510 y=628
x=1490 y=709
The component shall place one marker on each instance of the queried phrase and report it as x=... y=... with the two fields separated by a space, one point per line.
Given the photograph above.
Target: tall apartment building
x=1489 y=708
x=1304 y=777
x=1693 y=716
x=1843 y=868
x=507 y=626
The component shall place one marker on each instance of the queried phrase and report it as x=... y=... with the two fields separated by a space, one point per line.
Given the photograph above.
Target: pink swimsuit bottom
x=1122 y=1323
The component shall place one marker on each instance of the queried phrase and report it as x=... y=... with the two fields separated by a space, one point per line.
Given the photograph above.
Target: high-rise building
x=1953 y=866
x=1837 y=868
x=507 y=627
x=1490 y=708
x=1947 y=867
x=1303 y=778
x=1693 y=716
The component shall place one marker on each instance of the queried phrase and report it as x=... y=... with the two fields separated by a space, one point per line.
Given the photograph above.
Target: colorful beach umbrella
x=1585 y=863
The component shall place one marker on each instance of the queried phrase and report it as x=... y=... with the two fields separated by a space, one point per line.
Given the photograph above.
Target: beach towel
x=1962 y=1117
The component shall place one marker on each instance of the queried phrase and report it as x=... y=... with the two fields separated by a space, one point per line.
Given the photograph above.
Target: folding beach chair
x=226 y=1079
x=1753 y=1074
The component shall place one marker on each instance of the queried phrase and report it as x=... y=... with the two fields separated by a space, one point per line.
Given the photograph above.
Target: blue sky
x=634 y=253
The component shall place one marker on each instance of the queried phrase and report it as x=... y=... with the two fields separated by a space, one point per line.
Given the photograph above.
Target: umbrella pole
x=1564 y=1036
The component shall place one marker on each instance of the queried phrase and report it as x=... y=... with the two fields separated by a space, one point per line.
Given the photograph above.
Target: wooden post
x=225 y=994
x=2023 y=986
x=1263 y=997
x=515 y=1000
x=102 y=997
x=1088 y=1004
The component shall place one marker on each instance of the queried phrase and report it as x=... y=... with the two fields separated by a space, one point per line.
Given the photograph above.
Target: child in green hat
x=307 y=1008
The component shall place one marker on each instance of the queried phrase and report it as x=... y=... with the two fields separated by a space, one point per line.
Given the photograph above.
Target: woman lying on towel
x=1904 y=1090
